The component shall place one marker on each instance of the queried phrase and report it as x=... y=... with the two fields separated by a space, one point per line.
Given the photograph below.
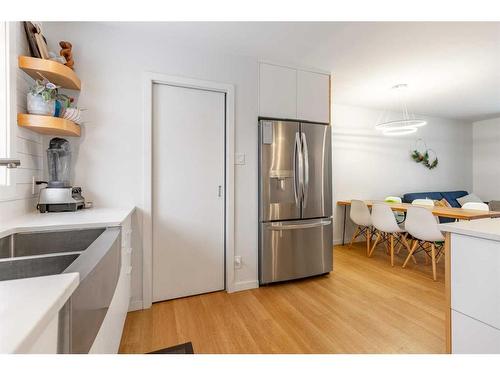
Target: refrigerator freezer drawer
x=295 y=249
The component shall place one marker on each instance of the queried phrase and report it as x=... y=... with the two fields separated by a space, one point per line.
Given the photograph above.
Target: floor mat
x=186 y=348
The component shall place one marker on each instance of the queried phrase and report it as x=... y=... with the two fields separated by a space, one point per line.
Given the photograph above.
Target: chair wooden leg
x=440 y=255
x=433 y=257
x=356 y=232
x=387 y=244
x=374 y=244
x=400 y=245
x=410 y=254
x=368 y=236
x=404 y=240
x=425 y=252
x=392 y=249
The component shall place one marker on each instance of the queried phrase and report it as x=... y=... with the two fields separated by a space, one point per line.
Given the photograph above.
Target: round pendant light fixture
x=394 y=123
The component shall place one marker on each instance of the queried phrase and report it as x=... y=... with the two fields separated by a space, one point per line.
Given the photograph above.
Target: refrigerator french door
x=295 y=200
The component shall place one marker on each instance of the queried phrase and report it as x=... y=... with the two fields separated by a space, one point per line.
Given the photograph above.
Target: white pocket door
x=188 y=191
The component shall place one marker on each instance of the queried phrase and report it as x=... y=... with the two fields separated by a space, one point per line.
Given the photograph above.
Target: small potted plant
x=42 y=97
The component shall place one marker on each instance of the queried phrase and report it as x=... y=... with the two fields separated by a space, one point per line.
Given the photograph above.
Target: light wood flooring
x=363 y=306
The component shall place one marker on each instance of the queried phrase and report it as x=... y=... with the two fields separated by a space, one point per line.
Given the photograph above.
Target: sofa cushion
x=434 y=195
x=451 y=197
x=469 y=198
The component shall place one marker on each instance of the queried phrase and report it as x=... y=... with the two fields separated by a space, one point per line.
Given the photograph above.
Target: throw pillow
x=442 y=203
x=469 y=198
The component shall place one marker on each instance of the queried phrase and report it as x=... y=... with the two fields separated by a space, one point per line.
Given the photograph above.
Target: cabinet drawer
x=475 y=280
x=470 y=336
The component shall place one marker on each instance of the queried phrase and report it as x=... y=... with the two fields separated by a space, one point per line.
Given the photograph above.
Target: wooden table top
x=451 y=212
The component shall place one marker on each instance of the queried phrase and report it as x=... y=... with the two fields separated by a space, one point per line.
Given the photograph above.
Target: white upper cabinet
x=313 y=96
x=278 y=91
x=289 y=93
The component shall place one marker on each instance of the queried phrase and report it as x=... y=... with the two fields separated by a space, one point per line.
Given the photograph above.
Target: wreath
x=424 y=158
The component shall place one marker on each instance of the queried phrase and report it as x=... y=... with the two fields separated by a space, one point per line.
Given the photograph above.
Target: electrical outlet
x=237 y=261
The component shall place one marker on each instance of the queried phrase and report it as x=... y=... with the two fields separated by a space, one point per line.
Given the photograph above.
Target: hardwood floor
x=363 y=306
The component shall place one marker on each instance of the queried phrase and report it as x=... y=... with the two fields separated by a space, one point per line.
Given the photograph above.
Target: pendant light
x=399 y=123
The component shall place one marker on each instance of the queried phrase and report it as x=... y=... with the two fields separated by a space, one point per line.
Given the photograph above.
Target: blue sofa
x=450 y=196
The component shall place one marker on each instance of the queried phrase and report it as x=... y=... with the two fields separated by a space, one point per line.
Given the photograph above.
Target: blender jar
x=59 y=163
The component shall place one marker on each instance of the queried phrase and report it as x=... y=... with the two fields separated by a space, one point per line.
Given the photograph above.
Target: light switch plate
x=239 y=158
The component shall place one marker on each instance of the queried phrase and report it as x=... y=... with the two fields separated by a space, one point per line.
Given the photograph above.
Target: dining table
x=440 y=211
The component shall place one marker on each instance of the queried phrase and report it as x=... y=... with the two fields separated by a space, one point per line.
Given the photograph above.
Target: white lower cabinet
x=475 y=278
x=475 y=294
x=470 y=336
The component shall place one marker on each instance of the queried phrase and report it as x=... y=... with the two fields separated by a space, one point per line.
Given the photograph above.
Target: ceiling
x=452 y=68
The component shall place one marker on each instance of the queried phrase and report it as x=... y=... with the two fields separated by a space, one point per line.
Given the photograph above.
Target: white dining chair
x=387 y=229
x=476 y=206
x=423 y=202
x=422 y=226
x=360 y=215
x=400 y=216
x=393 y=199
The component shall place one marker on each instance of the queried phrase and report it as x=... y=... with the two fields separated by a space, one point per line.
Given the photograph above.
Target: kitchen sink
x=95 y=254
x=35 y=254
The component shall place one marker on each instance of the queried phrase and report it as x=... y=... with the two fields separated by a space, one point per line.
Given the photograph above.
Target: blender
x=59 y=195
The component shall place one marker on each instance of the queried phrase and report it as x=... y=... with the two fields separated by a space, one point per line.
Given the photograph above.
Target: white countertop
x=85 y=218
x=27 y=306
x=482 y=228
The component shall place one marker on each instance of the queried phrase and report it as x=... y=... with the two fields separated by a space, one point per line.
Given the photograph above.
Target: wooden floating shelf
x=48 y=125
x=55 y=72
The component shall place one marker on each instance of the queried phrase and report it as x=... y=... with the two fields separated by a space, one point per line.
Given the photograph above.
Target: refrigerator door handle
x=297 y=169
x=278 y=227
x=305 y=185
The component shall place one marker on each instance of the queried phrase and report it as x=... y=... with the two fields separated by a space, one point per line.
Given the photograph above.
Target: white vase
x=38 y=106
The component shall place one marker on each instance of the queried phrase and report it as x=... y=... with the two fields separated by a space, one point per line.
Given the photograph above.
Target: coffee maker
x=59 y=195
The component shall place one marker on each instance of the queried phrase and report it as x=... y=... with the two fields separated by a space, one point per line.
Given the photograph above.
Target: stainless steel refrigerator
x=295 y=200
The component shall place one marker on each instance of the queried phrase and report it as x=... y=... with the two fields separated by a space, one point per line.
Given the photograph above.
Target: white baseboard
x=244 y=285
x=238 y=287
x=135 y=305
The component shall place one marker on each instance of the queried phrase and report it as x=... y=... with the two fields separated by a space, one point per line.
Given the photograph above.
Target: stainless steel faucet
x=10 y=163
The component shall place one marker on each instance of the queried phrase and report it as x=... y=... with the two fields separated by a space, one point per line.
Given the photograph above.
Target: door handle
x=305 y=154
x=278 y=227
x=219 y=191
x=297 y=169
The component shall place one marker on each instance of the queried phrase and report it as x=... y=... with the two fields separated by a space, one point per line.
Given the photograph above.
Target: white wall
x=109 y=155
x=486 y=157
x=369 y=165
x=28 y=145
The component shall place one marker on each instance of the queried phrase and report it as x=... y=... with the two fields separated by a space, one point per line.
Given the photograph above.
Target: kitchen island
x=473 y=286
